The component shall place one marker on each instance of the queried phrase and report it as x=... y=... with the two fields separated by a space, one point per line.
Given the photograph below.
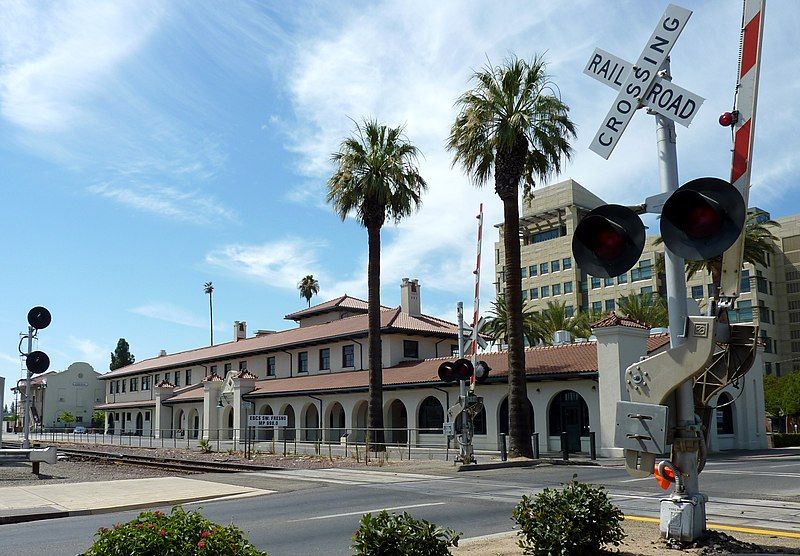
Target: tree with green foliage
x=66 y=417
x=497 y=323
x=514 y=127
x=376 y=178
x=122 y=355
x=555 y=318
x=782 y=396
x=308 y=286
x=646 y=308
x=98 y=417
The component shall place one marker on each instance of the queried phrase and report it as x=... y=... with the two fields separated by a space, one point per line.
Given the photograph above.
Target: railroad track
x=177 y=464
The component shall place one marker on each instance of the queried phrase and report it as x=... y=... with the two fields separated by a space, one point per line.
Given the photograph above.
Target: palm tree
x=758 y=241
x=512 y=125
x=308 y=287
x=376 y=178
x=497 y=324
x=208 y=288
x=555 y=318
x=646 y=308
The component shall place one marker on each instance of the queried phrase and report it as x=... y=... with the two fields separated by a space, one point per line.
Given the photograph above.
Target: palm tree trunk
x=211 y=317
x=374 y=339
x=519 y=431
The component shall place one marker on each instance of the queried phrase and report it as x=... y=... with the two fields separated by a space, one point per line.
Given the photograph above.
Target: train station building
x=316 y=374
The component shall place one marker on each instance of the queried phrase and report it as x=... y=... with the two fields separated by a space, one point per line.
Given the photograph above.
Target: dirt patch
x=67 y=471
x=643 y=539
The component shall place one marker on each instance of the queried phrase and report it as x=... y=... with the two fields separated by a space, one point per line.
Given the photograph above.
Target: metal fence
x=358 y=443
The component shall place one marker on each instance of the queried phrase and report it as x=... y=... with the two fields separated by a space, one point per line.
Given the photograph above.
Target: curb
x=524 y=463
x=55 y=514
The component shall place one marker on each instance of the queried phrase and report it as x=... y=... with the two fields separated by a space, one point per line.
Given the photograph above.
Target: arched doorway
x=725 y=414
x=227 y=423
x=110 y=424
x=265 y=433
x=569 y=413
x=139 y=423
x=193 y=423
x=360 y=422
x=430 y=417
x=288 y=432
x=502 y=417
x=336 y=422
x=311 y=424
x=180 y=424
x=397 y=423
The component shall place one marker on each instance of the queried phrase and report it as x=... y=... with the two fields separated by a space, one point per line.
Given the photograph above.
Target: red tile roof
x=392 y=320
x=344 y=302
x=187 y=394
x=248 y=375
x=213 y=377
x=616 y=320
x=539 y=361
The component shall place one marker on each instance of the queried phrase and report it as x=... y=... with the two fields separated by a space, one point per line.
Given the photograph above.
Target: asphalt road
x=316 y=512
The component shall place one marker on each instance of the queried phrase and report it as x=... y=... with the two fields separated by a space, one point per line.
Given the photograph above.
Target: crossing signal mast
x=702 y=219
x=468 y=372
x=36 y=362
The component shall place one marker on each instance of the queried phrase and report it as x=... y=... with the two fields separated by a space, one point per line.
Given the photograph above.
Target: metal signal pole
x=26 y=419
x=686 y=444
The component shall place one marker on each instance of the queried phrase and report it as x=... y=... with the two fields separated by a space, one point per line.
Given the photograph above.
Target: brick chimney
x=239 y=330
x=409 y=297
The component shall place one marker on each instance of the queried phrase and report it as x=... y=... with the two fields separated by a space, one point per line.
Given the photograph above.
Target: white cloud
x=57 y=57
x=165 y=201
x=90 y=351
x=169 y=312
x=278 y=263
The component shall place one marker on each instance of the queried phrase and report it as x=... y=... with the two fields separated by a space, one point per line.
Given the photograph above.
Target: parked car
x=80 y=429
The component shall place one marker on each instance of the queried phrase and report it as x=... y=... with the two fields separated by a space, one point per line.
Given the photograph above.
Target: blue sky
x=149 y=147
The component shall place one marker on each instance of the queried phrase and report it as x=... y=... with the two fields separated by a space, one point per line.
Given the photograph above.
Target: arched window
x=431 y=414
x=479 y=423
x=503 y=417
x=724 y=414
x=568 y=412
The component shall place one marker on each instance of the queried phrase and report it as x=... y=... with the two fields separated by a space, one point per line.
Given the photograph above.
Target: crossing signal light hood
x=703 y=218
x=608 y=241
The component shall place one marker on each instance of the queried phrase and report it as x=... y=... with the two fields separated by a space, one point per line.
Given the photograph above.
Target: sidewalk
x=29 y=503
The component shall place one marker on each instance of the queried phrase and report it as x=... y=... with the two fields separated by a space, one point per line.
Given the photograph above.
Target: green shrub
x=204 y=445
x=180 y=532
x=576 y=520
x=400 y=535
x=784 y=440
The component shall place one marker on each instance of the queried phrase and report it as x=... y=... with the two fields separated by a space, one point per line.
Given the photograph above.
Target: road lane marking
x=648 y=478
x=750 y=530
x=331 y=516
x=752 y=473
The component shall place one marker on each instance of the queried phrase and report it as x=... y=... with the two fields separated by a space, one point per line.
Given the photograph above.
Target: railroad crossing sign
x=473 y=334
x=640 y=84
x=267 y=420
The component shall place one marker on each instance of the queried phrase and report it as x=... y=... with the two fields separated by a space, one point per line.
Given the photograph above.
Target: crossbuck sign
x=267 y=420
x=641 y=85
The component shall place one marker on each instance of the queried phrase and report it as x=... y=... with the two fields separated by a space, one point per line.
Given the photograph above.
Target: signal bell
x=702 y=218
x=608 y=241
